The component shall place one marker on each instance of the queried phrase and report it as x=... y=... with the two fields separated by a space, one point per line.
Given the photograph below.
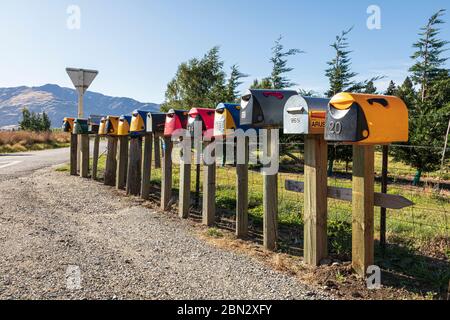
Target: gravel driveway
x=51 y=223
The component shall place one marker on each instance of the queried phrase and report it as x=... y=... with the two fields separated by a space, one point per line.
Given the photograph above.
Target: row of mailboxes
x=81 y=126
x=347 y=118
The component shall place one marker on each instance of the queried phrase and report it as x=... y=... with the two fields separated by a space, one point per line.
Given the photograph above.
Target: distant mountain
x=60 y=102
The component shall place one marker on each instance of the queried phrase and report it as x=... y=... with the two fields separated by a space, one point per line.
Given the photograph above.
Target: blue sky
x=137 y=45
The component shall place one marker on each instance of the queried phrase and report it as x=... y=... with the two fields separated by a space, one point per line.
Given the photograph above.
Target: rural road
x=63 y=237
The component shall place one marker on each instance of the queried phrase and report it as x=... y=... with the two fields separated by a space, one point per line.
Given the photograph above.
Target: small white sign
x=81 y=78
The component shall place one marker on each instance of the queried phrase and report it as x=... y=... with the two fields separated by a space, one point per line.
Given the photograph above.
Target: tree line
x=37 y=122
x=426 y=91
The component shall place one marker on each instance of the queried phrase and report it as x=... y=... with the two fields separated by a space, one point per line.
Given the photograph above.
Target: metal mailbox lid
x=81 y=126
x=305 y=115
x=102 y=128
x=124 y=125
x=156 y=122
x=264 y=108
x=67 y=125
x=175 y=119
x=112 y=125
x=366 y=119
x=138 y=124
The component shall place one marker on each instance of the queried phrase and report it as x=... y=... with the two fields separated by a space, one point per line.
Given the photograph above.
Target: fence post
x=147 y=165
x=166 y=173
x=315 y=204
x=185 y=187
x=157 y=147
x=134 y=166
x=84 y=152
x=73 y=154
x=384 y=183
x=122 y=162
x=111 y=162
x=363 y=209
x=270 y=200
x=209 y=191
x=242 y=194
x=95 y=156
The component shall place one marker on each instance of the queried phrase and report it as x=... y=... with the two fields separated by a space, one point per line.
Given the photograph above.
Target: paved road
x=19 y=164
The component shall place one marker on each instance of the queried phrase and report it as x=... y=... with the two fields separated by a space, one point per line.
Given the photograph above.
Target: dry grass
x=20 y=141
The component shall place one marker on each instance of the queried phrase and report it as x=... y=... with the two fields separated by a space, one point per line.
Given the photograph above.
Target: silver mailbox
x=305 y=115
x=264 y=108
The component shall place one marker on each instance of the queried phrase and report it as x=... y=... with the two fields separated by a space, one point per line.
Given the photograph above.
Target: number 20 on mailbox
x=366 y=119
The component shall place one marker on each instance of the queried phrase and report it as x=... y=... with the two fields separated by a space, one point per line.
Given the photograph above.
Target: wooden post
x=242 y=195
x=157 y=148
x=185 y=188
x=209 y=192
x=270 y=202
x=315 y=204
x=363 y=209
x=95 y=156
x=134 y=166
x=111 y=162
x=384 y=183
x=73 y=154
x=166 y=174
x=84 y=151
x=122 y=162
x=147 y=166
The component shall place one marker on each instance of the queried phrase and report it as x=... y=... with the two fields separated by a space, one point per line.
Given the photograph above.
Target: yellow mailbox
x=366 y=119
x=112 y=125
x=102 y=127
x=124 y=126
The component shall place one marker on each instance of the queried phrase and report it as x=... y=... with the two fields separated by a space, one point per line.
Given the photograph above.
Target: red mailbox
x=175 y=120
x=206 y=116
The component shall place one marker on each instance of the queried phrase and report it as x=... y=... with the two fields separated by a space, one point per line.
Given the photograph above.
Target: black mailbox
x=264 y=108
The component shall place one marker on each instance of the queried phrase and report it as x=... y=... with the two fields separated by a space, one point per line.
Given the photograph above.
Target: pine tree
x=428 y=55
x=263 y=84
x=429 y=109
x=279 y=65
x=46 y=124
x=370 y=88
x=25 y=124
x=391 y=89
x=232 y=95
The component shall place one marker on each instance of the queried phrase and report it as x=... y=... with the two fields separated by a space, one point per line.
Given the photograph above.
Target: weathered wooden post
x=270 y=196
x=73 y=154
x=242 y=190
x=365 y=120
x=84 y=152
x=315 y=204
x=157 y=148
x=263 y=109
x=363 y=208
x=122 y=152
x=134 y=166
x=306 y=116
x=209 y=186
x=147 y=166
x=111 y=162
x=185 y=185
x=122 y=162
x=384 y=184
x=111 y=127
x=95 y=156
x=166 y=173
